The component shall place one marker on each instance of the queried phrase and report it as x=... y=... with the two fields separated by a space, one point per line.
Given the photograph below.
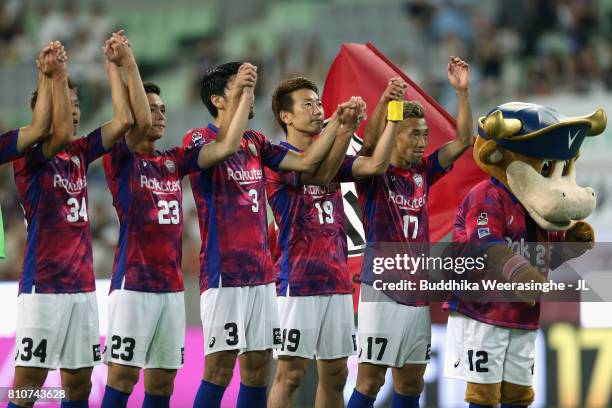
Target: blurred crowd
x=515 y=49
x=520 y=47
x=25 y=27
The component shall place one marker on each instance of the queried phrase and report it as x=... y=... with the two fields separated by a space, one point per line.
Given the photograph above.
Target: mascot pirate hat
x=539 y=131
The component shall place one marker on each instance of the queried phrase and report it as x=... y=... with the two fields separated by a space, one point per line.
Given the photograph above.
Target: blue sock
x=472 y=405
x=404 y=401
x=209 y=395
x=512 y=406
x=156 y=401
x=74 y=404
x=114 y=398
x=251 y=397
x=358 y=400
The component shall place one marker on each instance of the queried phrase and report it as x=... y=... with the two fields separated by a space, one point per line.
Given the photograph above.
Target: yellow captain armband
x=395 y=111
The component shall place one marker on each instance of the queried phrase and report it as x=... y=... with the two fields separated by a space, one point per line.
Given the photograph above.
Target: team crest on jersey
x=76 y=160
x=483 y=219
x=170 y=165
x=418 y=179
x=253 y=149
x=195 y=136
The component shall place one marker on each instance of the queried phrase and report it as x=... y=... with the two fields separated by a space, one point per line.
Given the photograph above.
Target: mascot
x=530 y=200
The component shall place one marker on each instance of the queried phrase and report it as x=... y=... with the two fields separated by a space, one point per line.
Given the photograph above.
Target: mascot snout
x=552 y=202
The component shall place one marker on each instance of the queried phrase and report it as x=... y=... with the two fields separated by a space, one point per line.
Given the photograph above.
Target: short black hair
x=215 y=81
x=282 y=99
x=151 y=87
x=34 y=97
x=413 y=109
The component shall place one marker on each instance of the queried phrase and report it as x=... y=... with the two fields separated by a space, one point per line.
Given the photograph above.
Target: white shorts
x=485 y=354
x=243 y=318
x=57 y=330
x=146 y=329
x=392 y=334
x=321 y=327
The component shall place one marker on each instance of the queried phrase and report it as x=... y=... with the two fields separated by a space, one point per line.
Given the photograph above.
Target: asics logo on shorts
x=96 y=352
x=276 y=333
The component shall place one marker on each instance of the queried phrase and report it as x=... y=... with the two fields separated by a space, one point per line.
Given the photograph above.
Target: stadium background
x=554 y=52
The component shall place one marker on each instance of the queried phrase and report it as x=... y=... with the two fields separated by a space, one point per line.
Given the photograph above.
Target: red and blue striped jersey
x=312 y=247
x=147 y=194
x=8 y=146
x=53 y=193
x=395 y=210
x=230 y=199
x=491 y=214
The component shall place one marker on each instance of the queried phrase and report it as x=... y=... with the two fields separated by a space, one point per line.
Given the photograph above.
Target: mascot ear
x=490 y=154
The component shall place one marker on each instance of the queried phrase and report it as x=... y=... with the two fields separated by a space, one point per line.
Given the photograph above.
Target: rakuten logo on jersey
x=526 y=249
x=410 y=204
x=244 y=175
x=321 y=190
x=160 y=186
x=71 y=187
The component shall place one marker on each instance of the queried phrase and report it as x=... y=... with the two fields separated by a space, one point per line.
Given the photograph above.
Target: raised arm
x=120 y=53
x=459 y=78
x=62 y=128
x=311 y=159
x=367 y=166
x=123 y=120
x=377 y=123
x=234 y=122
x=344 y=122
x=40 y=127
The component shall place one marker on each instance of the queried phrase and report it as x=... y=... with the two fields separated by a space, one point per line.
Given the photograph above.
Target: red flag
x=362 y=70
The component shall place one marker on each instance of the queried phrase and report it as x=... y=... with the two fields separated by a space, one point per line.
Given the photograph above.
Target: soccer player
x=314 y=286
x=16 y=141
x=393 y=333
x=238 y=300
x=57 y=311
x=146 y=305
